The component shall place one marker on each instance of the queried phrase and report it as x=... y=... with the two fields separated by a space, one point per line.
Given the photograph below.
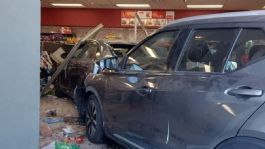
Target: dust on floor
x=59 y=124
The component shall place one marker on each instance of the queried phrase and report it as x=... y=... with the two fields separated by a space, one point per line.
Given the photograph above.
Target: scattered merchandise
x=57 y=56
x=63 y=145
x=51 y=120
x=71 y=120
x=50 y=146
x=80 y=139
x=64 y=107
x=72 y=40
x=59 y=127
x=45 y=130
x=51 y=113
x=52 y=37
x=45 y=68
x=45 y=62
x=65 y=30
x=51 y=92
x=63 y=35
x=68 y=131
x=46 y=143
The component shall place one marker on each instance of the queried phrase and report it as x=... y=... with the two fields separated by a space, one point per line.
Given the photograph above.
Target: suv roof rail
x=220 y=15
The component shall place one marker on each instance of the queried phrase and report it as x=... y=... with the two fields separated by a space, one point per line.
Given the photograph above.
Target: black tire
x=242 y=143
x=80 y=100
x=58 y=90
x=94 y=121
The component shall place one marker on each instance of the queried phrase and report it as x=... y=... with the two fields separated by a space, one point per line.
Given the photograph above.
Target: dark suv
x=197 y=83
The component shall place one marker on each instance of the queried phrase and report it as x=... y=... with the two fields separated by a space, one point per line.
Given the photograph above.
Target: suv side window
x=207 y=50
x=249 y=47
x=152 y=54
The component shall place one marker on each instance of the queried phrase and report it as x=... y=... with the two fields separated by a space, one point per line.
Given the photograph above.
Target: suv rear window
x=249 y=47
x=207 y=50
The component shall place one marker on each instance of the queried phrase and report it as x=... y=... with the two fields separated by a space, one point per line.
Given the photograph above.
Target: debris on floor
x=59 y=127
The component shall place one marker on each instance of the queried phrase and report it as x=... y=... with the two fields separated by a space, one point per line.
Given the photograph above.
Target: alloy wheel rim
x=91 y=117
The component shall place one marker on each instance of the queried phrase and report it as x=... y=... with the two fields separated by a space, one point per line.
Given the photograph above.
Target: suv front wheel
x=94 y=121
x=242 y=143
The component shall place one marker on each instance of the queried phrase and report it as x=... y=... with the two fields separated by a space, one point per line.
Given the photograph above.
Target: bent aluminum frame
x=91 y=34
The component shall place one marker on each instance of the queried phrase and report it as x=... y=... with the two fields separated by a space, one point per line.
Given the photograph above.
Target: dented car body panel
x=83 y=61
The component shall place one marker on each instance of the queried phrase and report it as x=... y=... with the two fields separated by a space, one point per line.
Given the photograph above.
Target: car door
x=65 y=75
x=213 y=90
x=129 y=92
x=81 y=64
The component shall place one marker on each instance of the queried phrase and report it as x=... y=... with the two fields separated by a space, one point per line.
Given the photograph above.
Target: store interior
x=64 y=23
x=65 y=62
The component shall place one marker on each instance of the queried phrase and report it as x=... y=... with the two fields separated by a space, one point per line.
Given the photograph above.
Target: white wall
x=19 y=74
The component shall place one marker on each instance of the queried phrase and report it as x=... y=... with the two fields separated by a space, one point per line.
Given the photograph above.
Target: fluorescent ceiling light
x=67 y=5
x=204 y=6
x=133 y=5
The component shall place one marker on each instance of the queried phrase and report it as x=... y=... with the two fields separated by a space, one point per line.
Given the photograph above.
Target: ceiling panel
x=130 y=1
x=86 y=3
x=165 y=4
x=98 y=3
x=244 y=4
x=168 y=4
x=205 y=2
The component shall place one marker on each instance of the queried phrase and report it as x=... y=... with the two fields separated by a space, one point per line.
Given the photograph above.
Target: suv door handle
x=245 y=91
x=144 y=91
